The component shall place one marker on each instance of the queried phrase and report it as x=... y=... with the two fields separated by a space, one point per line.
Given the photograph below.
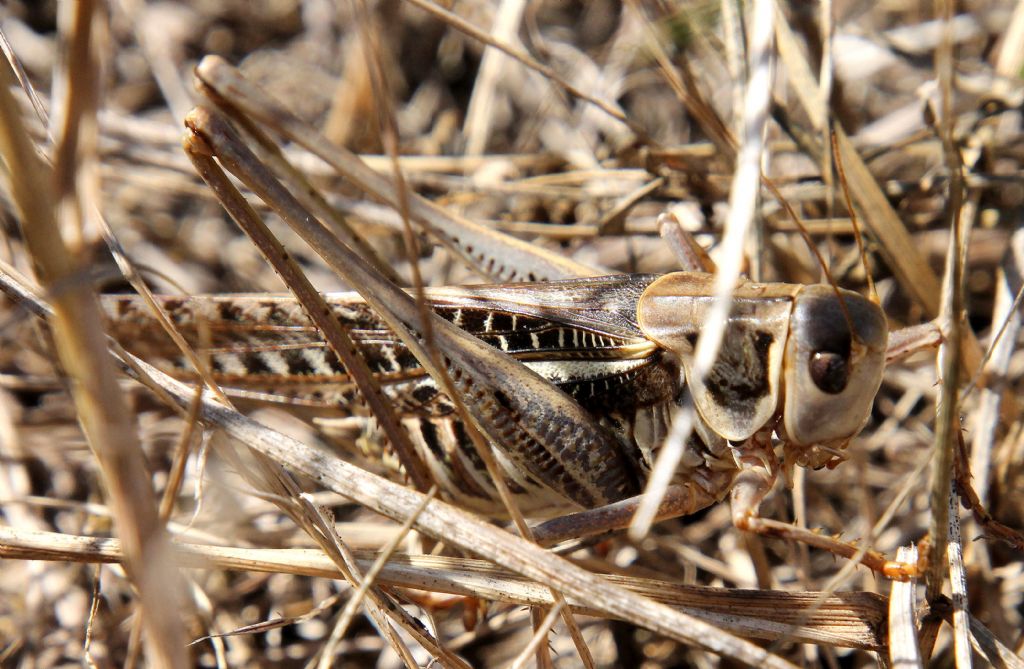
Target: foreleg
x=759 y=469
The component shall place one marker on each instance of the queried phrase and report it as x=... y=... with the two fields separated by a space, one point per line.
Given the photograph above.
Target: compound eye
x=829 y=371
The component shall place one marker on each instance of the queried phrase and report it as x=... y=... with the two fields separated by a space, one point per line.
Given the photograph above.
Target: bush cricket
x=619 y=346
x=574 y=380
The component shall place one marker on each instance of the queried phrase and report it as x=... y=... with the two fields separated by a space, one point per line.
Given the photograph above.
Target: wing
x=580 y=334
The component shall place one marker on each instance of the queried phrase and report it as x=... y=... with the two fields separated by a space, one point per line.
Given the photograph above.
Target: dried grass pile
x=591 y=120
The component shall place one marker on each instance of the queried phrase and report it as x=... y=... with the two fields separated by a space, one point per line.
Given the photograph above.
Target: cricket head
x=832 y=369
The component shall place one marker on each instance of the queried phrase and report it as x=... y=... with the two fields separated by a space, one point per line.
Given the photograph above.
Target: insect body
x=804 y=361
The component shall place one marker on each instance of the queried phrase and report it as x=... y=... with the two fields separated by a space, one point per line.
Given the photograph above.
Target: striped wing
x=579 y=334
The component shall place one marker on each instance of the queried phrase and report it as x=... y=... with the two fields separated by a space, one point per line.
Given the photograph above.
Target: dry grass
x=606 y=115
